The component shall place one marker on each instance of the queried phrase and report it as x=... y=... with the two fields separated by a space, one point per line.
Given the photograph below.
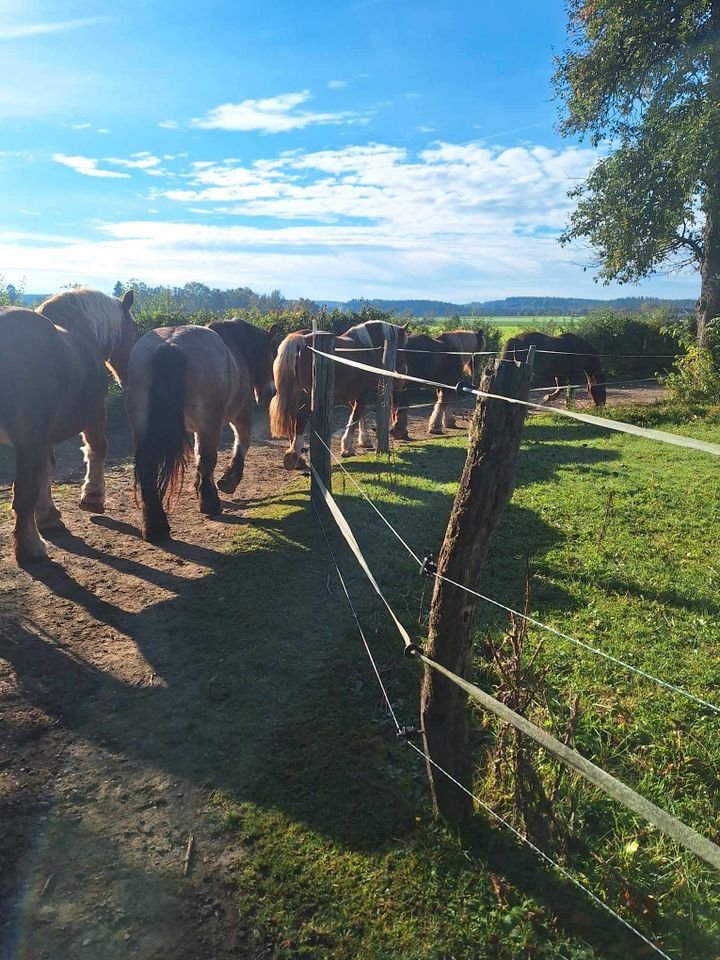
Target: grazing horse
x=444 y=359
x=567 y=358
x=193 y=379
x=53 y=381
x=290 y=407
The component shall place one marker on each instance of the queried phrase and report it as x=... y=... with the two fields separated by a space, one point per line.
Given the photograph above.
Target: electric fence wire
x=537 y=623
x=563 y=871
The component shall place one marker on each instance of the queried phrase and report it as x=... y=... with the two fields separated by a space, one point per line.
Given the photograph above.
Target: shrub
x=697 y=379
x=631 y=344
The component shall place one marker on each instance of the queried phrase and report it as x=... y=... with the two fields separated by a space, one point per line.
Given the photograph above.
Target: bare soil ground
x=99 y=788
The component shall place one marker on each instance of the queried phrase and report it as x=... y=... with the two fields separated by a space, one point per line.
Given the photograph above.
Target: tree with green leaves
x=643 y=76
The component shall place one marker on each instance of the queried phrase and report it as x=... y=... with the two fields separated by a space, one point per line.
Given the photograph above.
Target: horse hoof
x=52 y=521
x=290 y=460
x=452 y=425
x=228 y=485
x=156 y=534
x=92 y=506
x=211 y=509
x=437 y=432
x=347 y=453
x=26 y=556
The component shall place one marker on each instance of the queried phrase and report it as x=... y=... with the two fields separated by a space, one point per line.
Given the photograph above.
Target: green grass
x=343 y=859
x=505 y=326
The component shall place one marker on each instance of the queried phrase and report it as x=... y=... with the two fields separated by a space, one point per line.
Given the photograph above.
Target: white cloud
x=169 y=124
x=337 y=84
x=88 y=167
x=272 y=115
x=457 y=221
x=17 y=31
x=81 y=126
x=138 y=161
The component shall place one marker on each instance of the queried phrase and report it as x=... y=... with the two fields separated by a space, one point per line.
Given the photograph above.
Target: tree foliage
x=644 y=76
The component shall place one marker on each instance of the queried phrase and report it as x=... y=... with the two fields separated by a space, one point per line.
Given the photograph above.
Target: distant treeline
x=197 y=297
x=515 y=306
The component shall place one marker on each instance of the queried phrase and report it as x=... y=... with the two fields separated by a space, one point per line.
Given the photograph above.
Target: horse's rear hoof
x=92 y=506
x=228 y=485
x=290 y=460
x=26 y=557
x=51 y=524
x=211 y=509
x=156 y=535
x=347 y=453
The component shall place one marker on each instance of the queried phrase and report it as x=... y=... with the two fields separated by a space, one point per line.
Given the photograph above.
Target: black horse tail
x=164 y=448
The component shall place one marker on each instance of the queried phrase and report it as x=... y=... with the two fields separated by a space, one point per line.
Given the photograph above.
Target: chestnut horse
x=193 y=379
x=53 y=381
x=567 y=358
x=290 y=407
x=444 y=359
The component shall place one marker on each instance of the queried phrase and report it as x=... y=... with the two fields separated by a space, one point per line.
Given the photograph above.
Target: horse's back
x=564 y=355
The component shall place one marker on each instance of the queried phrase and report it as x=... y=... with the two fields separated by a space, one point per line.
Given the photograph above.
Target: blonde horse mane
x=103 y=315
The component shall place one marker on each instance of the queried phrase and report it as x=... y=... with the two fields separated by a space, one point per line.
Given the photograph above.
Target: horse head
x=120 y=355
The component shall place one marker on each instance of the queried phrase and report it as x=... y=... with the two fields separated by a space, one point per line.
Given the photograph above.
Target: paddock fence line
x=619 y=426
x=679 y=831
x=428 y=569
x=676 y=829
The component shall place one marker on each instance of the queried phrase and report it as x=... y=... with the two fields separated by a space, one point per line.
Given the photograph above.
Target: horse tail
x=164 y=449
x=284 y=405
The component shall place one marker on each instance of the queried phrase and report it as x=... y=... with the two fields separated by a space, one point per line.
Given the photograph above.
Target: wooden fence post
x=321 y=404
x=385 y=390
x=486 y=486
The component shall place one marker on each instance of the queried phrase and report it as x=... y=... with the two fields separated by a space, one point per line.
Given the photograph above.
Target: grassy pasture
x=342 y=857
x=506 y=326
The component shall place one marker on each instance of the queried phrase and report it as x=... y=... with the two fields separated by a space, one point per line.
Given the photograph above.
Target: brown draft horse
x=290 y=407
x=53 y=381
x=193 y=379
x=444 y=359
x=569 y=357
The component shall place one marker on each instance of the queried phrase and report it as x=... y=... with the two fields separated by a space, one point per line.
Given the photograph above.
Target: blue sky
x=377 y=148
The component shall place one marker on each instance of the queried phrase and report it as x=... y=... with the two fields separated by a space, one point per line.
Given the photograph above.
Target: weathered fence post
x=321 y=404
x=385 y=390
x=486 y=486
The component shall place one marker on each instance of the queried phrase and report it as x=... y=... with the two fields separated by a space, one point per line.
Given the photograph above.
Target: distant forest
x=195 y=297
x=514 y=306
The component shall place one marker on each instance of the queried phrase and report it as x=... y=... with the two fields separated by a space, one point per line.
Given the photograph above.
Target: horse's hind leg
x=556 y=392
x=448 y=418
x=241 y=425
x=438 y=413
x=47 y=515
x=95 y=451
x=356 y=414
x=206 y=448
x=30 y=472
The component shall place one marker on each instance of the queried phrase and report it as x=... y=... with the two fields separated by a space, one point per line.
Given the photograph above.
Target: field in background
x=505 y=327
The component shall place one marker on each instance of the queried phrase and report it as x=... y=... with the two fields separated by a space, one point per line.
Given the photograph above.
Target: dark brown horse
x=443 y=359
x=290 y=407
x=53 y=381
x=564 y=358
x=193 y=379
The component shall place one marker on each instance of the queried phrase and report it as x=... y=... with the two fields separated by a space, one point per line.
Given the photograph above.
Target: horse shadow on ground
x=266 y=695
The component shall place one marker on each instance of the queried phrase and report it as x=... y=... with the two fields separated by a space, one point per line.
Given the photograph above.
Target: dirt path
x=93 y=834
x=101 y=706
